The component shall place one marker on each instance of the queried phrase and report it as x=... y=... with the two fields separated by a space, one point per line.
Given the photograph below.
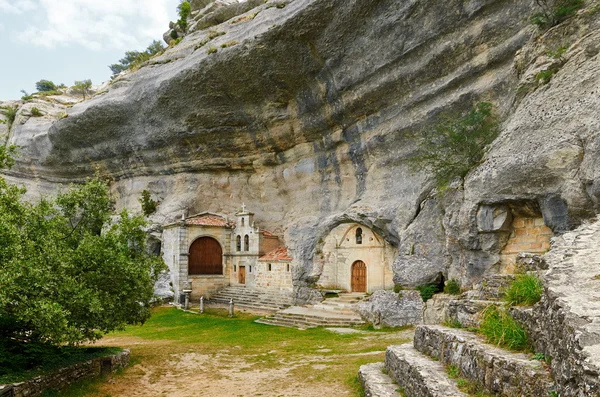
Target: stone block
x=389 y=309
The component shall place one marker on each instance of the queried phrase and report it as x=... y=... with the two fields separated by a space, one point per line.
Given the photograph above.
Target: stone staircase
x=332 y=312
x=252 y=299
x=420 y=369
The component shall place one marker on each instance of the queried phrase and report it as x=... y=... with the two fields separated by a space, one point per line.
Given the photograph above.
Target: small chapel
x=211 y=251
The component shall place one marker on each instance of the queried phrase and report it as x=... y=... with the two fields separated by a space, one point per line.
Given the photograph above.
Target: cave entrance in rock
x=359 y=277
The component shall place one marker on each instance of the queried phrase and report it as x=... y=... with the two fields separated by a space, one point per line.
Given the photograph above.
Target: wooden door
x=206 y=257
x=242 y=275
x=359 y=277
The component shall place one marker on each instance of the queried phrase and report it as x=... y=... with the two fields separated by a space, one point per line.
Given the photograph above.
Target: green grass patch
x=427 y=291
x=526 y=289
x=500 y=329
x=452 y=287
x=212 y=50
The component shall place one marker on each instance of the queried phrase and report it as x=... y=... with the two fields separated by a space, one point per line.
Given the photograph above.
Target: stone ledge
x=491 y=368
x=64 y=377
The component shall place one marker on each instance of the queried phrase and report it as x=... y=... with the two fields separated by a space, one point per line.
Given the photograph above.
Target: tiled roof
x=278 y=254
x=267 y=233
x=207 y=220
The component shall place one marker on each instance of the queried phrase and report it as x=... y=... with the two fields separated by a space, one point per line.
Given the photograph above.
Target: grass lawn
x=183 y=354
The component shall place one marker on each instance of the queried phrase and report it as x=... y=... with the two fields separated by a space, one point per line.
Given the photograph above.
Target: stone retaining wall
x=64 y=377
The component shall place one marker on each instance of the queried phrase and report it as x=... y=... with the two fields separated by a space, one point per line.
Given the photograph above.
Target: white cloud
x=16 y=6
x=94 y=24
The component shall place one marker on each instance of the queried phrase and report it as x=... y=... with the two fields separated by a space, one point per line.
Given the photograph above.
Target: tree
x=83 y=87
x=455 y=144
x=184 y=9
x=68 y=272
x=148 y=205
x=45 y=85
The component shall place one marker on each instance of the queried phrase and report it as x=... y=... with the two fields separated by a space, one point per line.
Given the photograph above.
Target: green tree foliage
x=454 y=145
x=184 y=9
x=136 y=58
x=83 y=87
x=70 y=271
x=553 y=12
x=148 y=205
x=45 y=85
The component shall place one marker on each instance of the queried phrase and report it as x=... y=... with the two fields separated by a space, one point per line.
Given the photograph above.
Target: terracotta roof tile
x=267 y=233
x=207 y=220
x=278 y=254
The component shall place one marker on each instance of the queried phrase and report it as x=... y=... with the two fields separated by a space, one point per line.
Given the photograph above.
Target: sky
x=68 y=40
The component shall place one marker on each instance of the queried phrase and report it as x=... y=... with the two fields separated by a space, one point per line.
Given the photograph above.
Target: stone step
x=417 y=375
x=376 y=383
x=317 y=316
x=493 y=369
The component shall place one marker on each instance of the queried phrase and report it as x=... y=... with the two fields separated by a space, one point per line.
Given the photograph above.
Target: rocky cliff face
x=304 y=110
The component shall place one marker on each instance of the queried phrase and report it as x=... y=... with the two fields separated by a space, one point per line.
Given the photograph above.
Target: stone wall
x=279 y=277
x=66 y=376
x=528 y=235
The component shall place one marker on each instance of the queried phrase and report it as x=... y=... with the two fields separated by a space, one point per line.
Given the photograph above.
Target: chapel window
x=269 y=267
x=359 y=236
x=246 y=243
x=243 y=221
x=238 y=243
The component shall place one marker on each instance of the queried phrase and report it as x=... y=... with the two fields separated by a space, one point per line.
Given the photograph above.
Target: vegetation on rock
x=10 y=112
x=83 y=87
x=45 y=85
x=68 y=272
x=454 y=145
x=502 y=330
x=35 y=112
x=526 y=289
x=427 y=291
x=184 y=9
x=452 y=287
x=133 y=59
x=553 y=12
x=148 y=205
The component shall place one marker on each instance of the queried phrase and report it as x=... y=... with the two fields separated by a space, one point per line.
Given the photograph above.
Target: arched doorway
x=206 y=257
x=359 y=277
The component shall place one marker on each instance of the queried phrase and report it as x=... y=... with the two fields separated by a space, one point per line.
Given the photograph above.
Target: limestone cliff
x=304 y=110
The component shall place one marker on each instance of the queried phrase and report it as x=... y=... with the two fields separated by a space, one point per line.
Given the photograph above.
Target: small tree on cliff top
x=455 y=144
x=68 y=274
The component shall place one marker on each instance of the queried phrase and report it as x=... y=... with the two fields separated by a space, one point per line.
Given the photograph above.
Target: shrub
x=35 y=112
x=500 y=329
x=526 y=289
x=184 y=9
x=45 y=85
x=427 y=291
x=10 y=113
x=397 y=288
x=212 y=34
x=212 y=50
x=148 y=205
x=452 y=287
x=454 y=145
x=545 y=76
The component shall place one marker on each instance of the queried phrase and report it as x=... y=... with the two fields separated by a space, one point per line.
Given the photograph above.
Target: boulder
x=390 y=309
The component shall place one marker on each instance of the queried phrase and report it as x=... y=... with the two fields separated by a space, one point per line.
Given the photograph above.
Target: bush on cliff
x=68 y=272
x=134 y=59
x=455 y=144
x=552 y=12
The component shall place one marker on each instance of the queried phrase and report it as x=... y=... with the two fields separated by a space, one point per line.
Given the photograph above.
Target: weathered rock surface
x=389 y=309
x=305 y=112
x=565 y=325
x=436 y=309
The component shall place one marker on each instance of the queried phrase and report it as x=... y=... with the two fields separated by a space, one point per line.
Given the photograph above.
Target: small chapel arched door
x=359 y=277
x=206 y=257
